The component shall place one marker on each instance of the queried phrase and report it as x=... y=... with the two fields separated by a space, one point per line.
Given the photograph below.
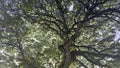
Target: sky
x=71 y=7
x=117 y=36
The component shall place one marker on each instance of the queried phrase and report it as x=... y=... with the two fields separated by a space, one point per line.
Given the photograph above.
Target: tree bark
x=67 y=57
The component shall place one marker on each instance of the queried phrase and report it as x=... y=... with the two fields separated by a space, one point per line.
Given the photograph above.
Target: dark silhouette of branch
x=62 y=14
x=97 y=54
x=92 y=61
x=88 y=47
x=81 y=63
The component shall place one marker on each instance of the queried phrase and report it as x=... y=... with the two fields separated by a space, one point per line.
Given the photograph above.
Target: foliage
x=60 y=33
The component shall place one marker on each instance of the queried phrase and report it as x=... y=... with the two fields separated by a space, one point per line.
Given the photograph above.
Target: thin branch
x=111 y=18
x=92 y=61
x=81 y=2
x=89 y=47
x=97 y=54
x=48 y=25
x=62 y=14
x=50 y=16
x=110 y=48
x=81 y=63
x=54 y=22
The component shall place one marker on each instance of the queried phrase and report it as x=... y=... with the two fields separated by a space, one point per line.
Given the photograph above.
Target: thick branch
x=97 y=54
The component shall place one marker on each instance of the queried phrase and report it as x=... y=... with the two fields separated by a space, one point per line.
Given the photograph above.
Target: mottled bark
x=67 y=57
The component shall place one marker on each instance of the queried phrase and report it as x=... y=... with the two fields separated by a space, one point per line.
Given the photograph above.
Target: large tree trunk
x=67 y=57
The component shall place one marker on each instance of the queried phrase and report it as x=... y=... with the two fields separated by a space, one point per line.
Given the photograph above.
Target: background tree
x=24 y=45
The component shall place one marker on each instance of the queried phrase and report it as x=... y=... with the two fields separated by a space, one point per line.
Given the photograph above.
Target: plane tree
x=81 y=25
x=85 y=32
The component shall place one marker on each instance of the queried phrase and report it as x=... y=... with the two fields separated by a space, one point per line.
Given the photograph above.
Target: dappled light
x=59 y=34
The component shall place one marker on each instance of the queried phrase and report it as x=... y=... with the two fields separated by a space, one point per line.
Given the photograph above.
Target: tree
x=71 y=19
x=24 y=45
x=84 y=31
